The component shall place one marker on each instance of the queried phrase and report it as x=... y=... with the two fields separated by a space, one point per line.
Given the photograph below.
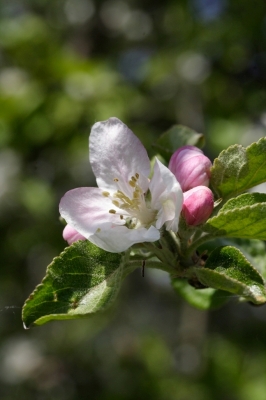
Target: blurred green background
x=66 y=64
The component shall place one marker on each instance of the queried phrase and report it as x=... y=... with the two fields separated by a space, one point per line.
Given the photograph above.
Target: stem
x=171 y=240
x=165 y=255
x=197 y=235
x=155 y=250
x=197 y=243
x=132 y=265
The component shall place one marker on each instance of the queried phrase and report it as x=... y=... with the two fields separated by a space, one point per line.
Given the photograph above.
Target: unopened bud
x=190 y=167
x=71 y=235
x=198 y=205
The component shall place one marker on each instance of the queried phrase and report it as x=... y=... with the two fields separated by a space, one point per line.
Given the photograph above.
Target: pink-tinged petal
x=167 y=197
x=71 y=235
x=116 y=153
x=120 y=238
x=86 y=210
x=190 y=167
x=198 y=205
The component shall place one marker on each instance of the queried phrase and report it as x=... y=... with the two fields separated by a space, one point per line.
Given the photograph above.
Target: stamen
x=116 y=203
x=120 y=195
x=124 y=206
x=131 y=209
x=98 y=230
x=135 y=203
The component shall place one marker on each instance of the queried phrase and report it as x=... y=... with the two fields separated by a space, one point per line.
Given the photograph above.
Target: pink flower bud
x=71 y=235
x=198 y=205
x=190 y=167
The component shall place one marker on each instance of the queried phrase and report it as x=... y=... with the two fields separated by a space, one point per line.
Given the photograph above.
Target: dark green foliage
x=227 y=269
x=82 y=280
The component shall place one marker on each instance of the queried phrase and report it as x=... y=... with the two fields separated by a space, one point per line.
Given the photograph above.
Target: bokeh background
x=66 y=64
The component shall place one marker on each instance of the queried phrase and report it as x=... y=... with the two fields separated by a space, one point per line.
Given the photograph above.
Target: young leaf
x=176 y=137
x=241 y=217
x=204 y=299
x=82 y=280
x=238 y=169
x=227 y=269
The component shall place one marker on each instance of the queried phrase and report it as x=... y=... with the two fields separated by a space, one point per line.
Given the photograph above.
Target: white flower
x=127 y=207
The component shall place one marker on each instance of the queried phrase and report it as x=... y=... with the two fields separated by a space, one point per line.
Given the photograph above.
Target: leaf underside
x=82 y=280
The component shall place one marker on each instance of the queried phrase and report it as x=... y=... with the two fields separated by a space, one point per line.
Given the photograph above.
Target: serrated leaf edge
x=246 y=289
x=248 y=262
x=228 y=212
x=256 y=144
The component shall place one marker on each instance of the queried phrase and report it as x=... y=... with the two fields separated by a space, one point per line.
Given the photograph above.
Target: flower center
x=135 y=209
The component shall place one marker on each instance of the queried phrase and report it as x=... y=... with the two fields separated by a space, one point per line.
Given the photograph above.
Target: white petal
x=120 y=238
x=86 y=210
x=167 y=197
x=115 y=152
x=165 y=213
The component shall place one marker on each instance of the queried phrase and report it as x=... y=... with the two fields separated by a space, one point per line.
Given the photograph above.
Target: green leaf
x=176 y=137
x=204 y=299
x=244 y=200
x=227 y=269
x=241 y=217
x=238 y=169
x=254 y=250
x=82 y=280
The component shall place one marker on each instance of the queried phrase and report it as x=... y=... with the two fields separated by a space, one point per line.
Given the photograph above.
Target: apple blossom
x=190 y=167
x=198 y=205
x=127 y=207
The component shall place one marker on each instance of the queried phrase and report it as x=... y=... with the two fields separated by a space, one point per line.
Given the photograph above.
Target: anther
x=116 y=180
x=105 y=194
x=112 y=211
x=132 y=184
x=116 y=203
